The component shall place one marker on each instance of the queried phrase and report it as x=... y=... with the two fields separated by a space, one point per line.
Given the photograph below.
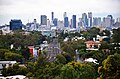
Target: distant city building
x=15 y=25
x=106 y=21
x=80 y=22
x=55 y=22
x=43 y=20
x=118 y=20
x=65 y=21
x=52 y=16
x=111 y=20
x=85 y=20
x=96 y=21
x=48 y=23
x=65 y=14
x=74 y=21
x=33 y=26
x=60 y=25
x=89 y=19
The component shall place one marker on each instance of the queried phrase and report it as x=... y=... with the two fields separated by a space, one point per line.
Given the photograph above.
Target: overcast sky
x=30 y=9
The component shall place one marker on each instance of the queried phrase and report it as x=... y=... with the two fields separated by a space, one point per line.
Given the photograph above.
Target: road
x=53 y=50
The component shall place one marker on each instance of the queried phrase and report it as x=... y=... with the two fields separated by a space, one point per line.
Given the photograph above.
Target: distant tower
x=74 y=21
x=35 y=25
x=65 y=14
x=65 y=20
x=43 y=20
x=15 y=24
x=55 y=22
x=89 y=19
x=111 y=20
x=52 y=16
x=85 y=20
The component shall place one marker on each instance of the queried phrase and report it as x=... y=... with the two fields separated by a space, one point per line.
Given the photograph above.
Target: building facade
x=43 y=20
x=16 y=25
x=74 y=21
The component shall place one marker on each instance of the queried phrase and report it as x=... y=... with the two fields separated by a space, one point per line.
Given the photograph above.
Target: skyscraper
x=74 y=21
x=52 y=16
x=89 y=19
x=111 y=20
x=43 y=20
x=15 y=24
x=85 y=20
x=106 y=21
x=65 y=14
x=96 y=21
x=65 y=21
x=55 y=22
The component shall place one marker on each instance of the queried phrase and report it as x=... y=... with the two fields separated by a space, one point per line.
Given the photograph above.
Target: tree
x=76 y=70
x=110 y=68
x=116 y=35
x=105 y=33
x=61 y=59
x=14 y=70
x=2 y=53
x=13 y=57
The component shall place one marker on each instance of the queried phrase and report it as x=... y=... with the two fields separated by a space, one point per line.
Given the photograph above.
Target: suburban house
x=92 y=45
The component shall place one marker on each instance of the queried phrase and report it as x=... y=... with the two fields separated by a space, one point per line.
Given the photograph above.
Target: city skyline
x=32 y=9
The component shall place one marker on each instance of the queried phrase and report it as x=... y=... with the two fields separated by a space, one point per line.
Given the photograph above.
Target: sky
x=27 y=10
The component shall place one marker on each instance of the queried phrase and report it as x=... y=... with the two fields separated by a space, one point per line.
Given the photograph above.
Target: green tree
x=110 y=68
x=76 y=70
x=13 y=56
x=116 y=35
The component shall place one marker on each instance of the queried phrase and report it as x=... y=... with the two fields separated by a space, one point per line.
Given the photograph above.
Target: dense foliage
x=65 y=66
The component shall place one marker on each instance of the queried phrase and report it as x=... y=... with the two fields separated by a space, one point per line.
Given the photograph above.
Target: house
x=92 y=45
x=6 y=64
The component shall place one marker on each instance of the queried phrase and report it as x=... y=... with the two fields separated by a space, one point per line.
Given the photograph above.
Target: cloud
x=34 y=8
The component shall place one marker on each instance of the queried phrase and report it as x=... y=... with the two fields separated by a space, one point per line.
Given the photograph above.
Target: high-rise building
x=80 y=23
x=111 y=20
x=65 y=14
x=52 y=16
x=65 y=21
x=89 y=19
x=106 y=21
x=43 y=20
x=55 y=22
x=15 y=24
x=74 y=21
x=85 y=20
x=96 y=21
x=118 y=20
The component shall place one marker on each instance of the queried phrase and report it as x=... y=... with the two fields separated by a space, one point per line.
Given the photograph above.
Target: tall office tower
x=106 y=21
x=15 y=24
x=55 y=22
x=89 y=19
x=74 y=21
x=35 y=24
x=48 y=23
x=60 y=24
x=71 y=23
x=111 y=19
x=96 y=21
x=118 y=20
x=85 y=20
x=80 y=23
x=65 y=14
x=65 y=21
x=52 y=16
x=43 y=20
